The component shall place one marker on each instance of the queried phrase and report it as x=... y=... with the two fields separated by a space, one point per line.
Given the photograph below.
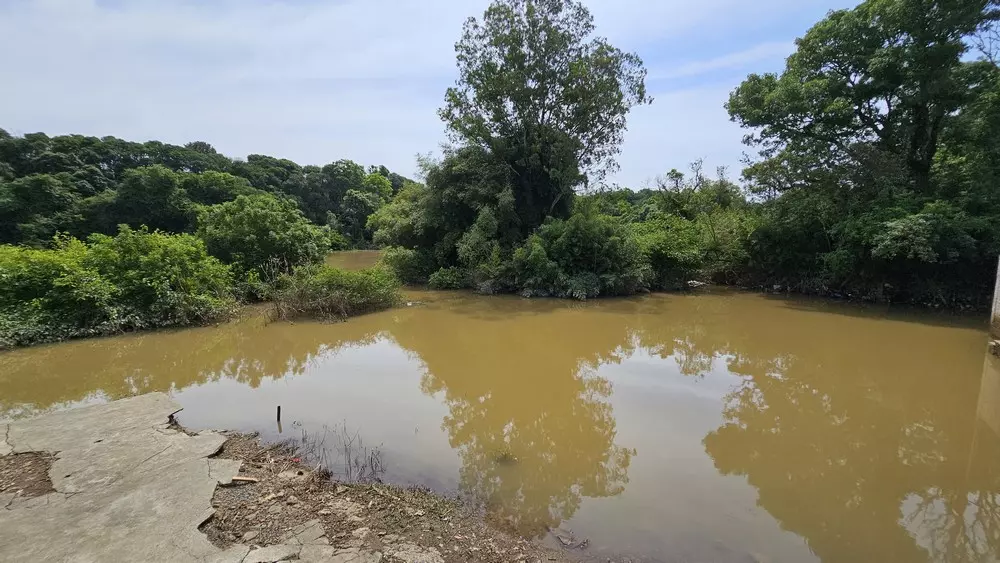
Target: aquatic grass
x=325 y=292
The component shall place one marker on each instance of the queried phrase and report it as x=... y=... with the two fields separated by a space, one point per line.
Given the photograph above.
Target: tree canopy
x=544 y=95
x=81 y=185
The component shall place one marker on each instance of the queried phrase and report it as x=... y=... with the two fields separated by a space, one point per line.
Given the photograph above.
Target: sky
x=316 y=81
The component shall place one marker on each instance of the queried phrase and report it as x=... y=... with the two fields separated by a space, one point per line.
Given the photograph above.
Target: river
x=718 y=426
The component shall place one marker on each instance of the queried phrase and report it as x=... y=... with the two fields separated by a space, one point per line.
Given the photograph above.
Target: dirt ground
x=276 y=493
x=26 y=475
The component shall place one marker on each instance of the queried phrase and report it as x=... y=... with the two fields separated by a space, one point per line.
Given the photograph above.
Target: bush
x=669 y=245
x=449 y=278
x=725 y=235
x=262 y=236
x=410 y=266
x=585 y=256
x=134 y=280
x=325 y=292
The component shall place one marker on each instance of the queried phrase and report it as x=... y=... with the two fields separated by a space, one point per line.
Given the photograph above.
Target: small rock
x=273 y=553
x=340 y=489
x=324 y=512
x=292 y=500
x=274 y=509
x=250 y=535
x=294 y=476
x=361 y=533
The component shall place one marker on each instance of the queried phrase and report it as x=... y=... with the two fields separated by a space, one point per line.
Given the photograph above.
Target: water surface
x=714 y=427
x=353 y=259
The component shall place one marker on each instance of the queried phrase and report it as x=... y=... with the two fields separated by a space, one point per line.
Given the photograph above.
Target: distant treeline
x=81 y=185
x=103 y=236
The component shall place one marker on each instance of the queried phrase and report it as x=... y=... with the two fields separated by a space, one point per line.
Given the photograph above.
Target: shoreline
x=279 y=494
x=260 y=309
x=126 y=481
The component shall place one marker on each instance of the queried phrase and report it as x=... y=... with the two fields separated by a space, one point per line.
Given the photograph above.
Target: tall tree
x=544 y=95
x=885 y=76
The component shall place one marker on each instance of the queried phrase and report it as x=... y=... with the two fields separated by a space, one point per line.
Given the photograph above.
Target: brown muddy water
x=353 y=259
x=717 y=427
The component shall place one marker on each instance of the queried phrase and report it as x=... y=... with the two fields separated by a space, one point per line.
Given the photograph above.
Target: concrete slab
x=127 y=488
x=130 y=488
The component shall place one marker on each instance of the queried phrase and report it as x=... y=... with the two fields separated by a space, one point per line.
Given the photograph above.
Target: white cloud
x=681 y=127
x=316 y=81
x=741 y=59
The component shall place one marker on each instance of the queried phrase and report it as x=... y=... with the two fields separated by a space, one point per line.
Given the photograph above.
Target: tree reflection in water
x=864 y=448
x=528 y=413
x=859 y=434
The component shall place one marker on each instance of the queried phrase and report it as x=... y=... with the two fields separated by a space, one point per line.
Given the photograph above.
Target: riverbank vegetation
x=321 y=291
x=104 y=236
x=876 y=174
x=81 y=185
x=134 y=280
x=876 y=177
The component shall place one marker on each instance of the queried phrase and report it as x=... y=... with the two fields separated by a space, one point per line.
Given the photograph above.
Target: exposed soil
x=26 y=475
x=282 y=493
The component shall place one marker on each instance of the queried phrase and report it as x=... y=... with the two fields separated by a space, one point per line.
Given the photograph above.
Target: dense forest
x=81 y=185
x=105 y=235
x=875 y=177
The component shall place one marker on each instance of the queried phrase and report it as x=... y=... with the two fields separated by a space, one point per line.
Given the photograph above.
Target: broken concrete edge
x=119 y=450
x=994 y=348
x=5 y=446
x=98 y=441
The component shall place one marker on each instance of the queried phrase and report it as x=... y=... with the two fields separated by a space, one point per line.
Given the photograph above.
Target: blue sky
x=316 y=81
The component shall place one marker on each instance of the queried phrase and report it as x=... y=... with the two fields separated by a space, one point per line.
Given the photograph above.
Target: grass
x=326 y=292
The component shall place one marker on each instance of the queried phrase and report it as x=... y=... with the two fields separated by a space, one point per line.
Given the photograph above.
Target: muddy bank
x=278 y=496
x=123 y=482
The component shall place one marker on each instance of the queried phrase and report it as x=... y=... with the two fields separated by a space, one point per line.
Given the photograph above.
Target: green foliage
x=356 y=208
x=325 y=292
x=410 y=266
x=213 y=188
x=878 y=175
x=400 y=222
x=379 y=185
x=152 y=196
x=448 y=278
x=545 y=97
x=134 y=280
x=262 y=235
x=81 y=185
x=33 y=207
x=588 y=255
x=670 y=245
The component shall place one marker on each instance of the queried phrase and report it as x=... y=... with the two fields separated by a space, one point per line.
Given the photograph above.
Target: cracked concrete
x=130 y=488
x=5 y=447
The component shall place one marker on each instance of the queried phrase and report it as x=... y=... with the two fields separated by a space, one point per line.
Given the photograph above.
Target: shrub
x=134 y=280
x=162 y=279
x=448 y=278
x=725 y=235
x=256 y=232
x=669 y=245
x=534 y=273
x=585 y=256
x=410 y=266
x=325 y=292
